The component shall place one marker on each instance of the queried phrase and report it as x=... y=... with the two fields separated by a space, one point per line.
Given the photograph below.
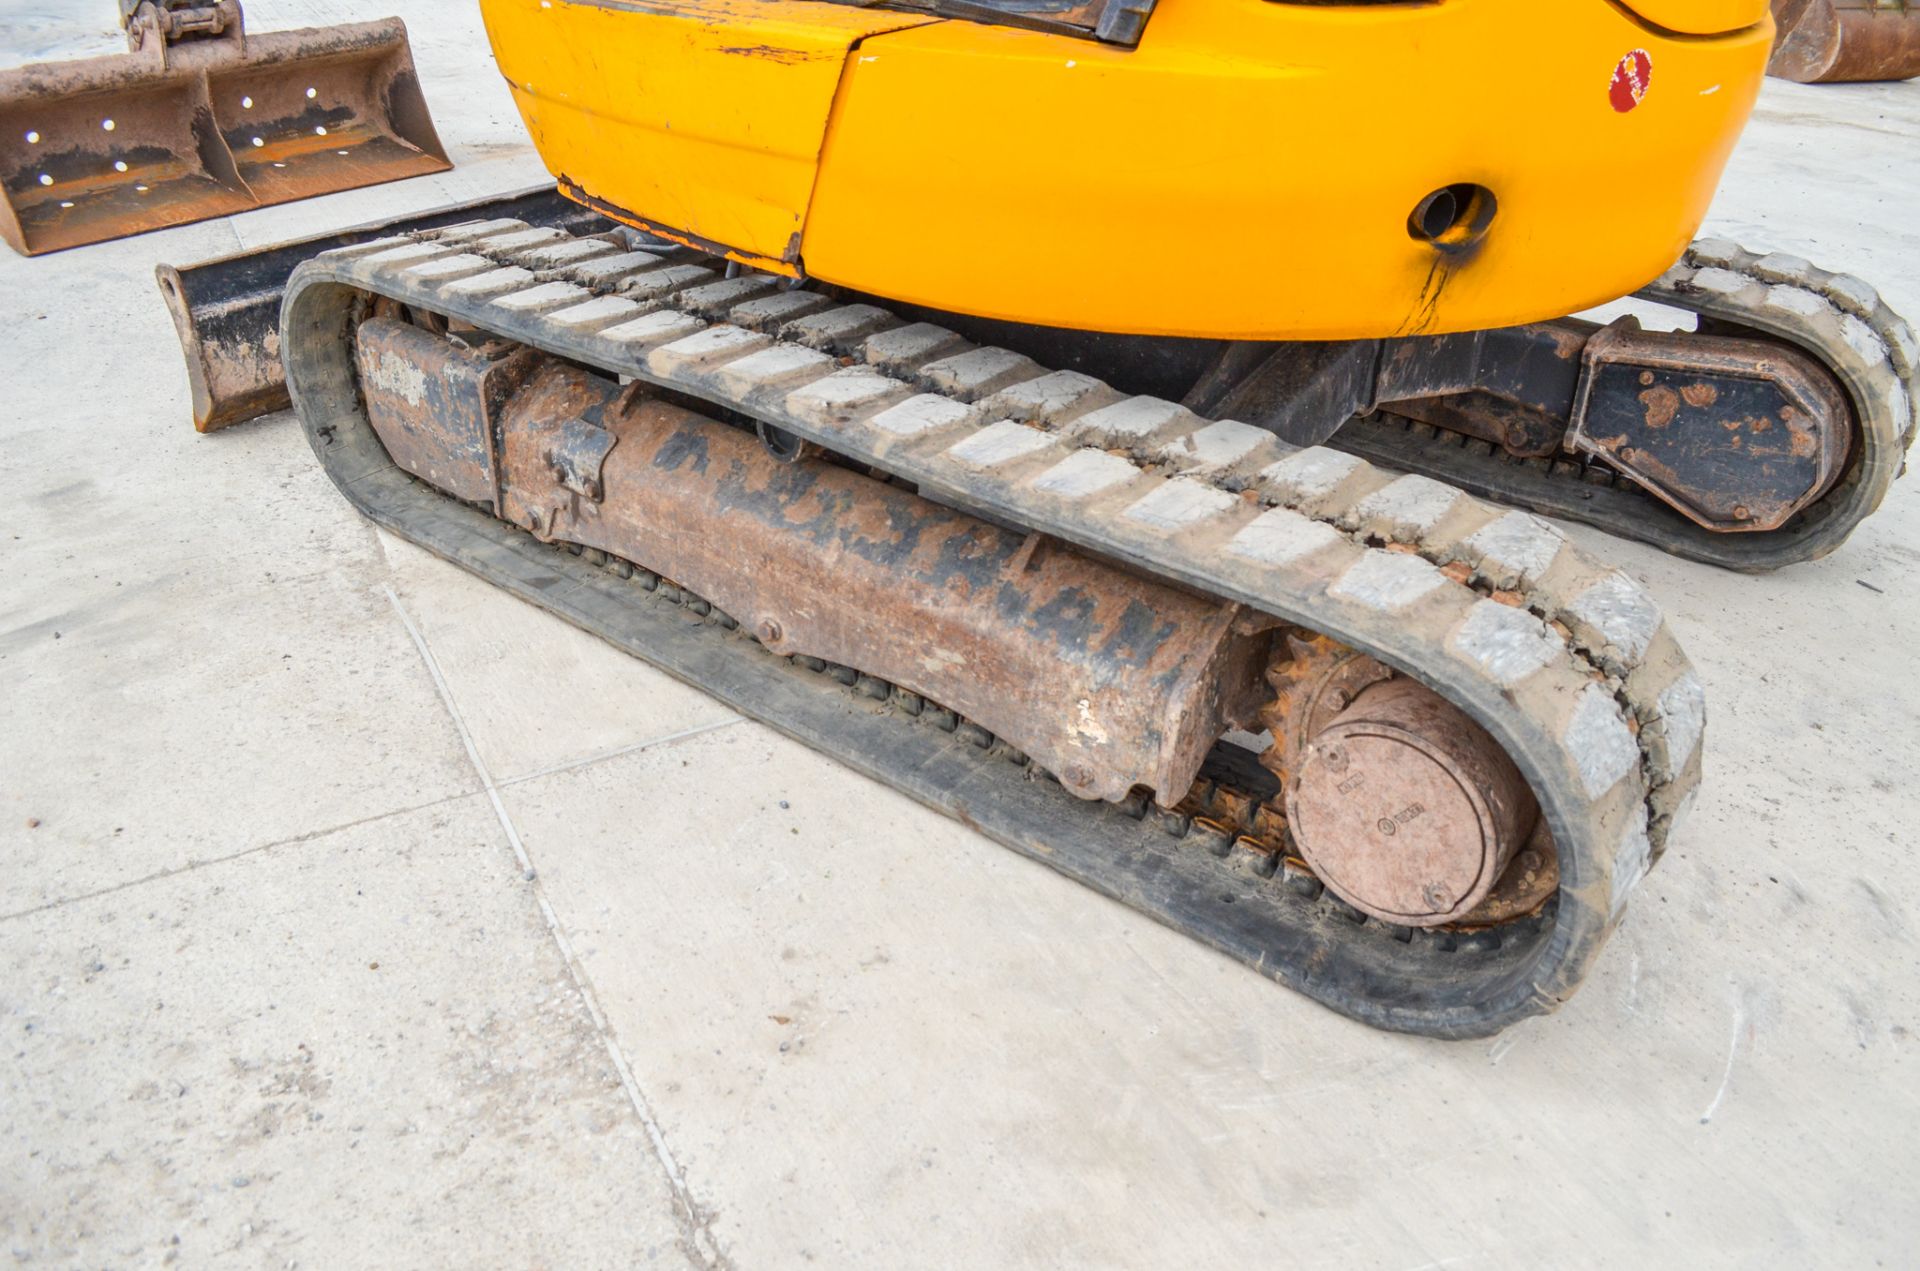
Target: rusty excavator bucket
x=201 y=119
x=1845 y=41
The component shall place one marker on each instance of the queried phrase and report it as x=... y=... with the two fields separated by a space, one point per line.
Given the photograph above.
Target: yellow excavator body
x=1249 y=169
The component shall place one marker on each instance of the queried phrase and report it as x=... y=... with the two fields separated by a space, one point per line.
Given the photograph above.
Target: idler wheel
x=1406 y=808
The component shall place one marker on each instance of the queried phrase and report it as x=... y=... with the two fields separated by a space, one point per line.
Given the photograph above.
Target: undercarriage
x=1402 y=750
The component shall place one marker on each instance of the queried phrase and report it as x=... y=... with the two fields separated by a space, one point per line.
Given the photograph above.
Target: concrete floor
x=357 y=915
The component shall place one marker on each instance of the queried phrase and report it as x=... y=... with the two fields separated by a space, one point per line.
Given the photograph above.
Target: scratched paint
x=1632 y=78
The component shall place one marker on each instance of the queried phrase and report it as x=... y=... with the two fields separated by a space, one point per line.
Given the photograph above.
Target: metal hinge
x=171 y=21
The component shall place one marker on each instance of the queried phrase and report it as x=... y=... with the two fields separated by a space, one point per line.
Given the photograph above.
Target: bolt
x=1740 y=512
x=769 y=631
x=1334 y=757
x=1338 y=699
x=1646 y=378
x=1077 y=774
x=1436 y=898
x=1386 y=826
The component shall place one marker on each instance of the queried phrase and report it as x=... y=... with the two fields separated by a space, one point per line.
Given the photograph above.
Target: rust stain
x=1802 y=440
x=1662 y=404
x=1699 y=395
x=1426 y=306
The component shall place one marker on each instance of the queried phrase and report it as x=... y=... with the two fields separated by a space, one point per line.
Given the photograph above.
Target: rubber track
x=1581 y=680
x=1835 y=318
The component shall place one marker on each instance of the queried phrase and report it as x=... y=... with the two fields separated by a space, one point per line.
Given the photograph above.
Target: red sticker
x=1631 y=79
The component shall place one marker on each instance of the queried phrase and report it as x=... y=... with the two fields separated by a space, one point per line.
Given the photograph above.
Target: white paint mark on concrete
x=1733 y=1050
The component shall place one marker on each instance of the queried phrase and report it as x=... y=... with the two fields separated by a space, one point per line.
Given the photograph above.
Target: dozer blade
x=227 y=310
x=1845 y=41
x=183 y=129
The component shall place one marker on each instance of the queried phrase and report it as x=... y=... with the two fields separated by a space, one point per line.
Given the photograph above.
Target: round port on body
x=1453 y=216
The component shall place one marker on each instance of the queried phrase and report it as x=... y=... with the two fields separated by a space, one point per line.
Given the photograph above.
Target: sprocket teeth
x=1299 y=676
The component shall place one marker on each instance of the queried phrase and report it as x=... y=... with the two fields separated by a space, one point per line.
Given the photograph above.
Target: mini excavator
x=1121 y=425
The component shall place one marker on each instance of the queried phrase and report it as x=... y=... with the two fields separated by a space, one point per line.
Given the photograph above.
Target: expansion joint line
x=695 y=1222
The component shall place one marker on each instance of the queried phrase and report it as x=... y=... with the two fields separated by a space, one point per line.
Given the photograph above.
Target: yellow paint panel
x=1250 y=169
x=702 y=116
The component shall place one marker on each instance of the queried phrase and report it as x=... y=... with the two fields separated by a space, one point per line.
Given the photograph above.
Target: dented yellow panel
x=700 y=117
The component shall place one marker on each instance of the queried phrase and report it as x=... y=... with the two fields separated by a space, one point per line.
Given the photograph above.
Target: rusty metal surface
x=1305 y=391
x=1514 y=387
x=1302 y=391
x=1316 y=680
x=179 y=131
x=1109 y=680
x=1737 y=435
x=1519 y=430
x=1406 y=809
x=577 y=456
x=1530 y=880
x=1840 y=41
x=437 y=404
x=172 y=20
x=227 y=310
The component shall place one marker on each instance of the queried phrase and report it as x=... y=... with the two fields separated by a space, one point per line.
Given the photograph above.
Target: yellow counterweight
x=1251 y=169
